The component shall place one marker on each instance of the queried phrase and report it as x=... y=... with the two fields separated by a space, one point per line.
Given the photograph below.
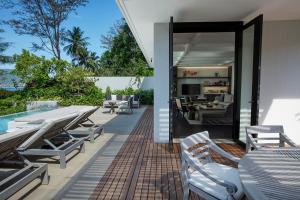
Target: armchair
x=200 y=174
x=266 y=136
x=126 y=106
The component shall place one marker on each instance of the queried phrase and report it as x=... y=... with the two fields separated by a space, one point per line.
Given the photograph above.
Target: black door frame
x=258 y=27
x=171 y=127
x=232 y=26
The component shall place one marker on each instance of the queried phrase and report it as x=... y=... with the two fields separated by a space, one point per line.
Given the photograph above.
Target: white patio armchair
x=203 y=176
x=266 y=136
x=126 y=106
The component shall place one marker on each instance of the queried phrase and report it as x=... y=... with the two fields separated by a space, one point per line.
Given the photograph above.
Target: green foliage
x=126 y=91
x=12 y=104
x=146 y=96
x=93 y=98
x=50 y=80
x=37 y=71
x=107 y=91
x=123 y=56
x=74 y=81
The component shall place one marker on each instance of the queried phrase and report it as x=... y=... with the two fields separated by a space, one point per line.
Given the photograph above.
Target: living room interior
x=203 y=83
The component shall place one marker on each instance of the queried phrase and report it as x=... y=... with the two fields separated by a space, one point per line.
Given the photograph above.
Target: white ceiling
x=203 y=49
x=142 y=14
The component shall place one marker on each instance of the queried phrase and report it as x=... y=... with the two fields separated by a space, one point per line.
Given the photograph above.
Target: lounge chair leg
x=45 y=178
x=92 y=138
x=62 y=161
x=186 y=194
x=82 y=148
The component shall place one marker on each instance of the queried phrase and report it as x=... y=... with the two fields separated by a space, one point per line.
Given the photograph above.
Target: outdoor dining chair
x=266 y=136
x=180 y=107
x=203 y=176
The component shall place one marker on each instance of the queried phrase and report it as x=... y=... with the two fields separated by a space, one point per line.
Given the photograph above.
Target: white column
x=161 y=82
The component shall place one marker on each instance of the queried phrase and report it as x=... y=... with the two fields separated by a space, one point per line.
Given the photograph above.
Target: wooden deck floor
x=145 y=170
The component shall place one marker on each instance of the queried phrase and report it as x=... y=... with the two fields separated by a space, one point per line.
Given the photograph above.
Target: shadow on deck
x=145 y=170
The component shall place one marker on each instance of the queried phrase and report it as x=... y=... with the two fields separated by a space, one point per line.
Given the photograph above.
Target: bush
x=146 y=96
x=126 y=91
x=107 y=91
x=12 y=104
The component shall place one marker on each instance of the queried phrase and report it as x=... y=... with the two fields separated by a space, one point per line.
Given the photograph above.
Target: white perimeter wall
x=280 y=76
x=120 y=83
x=161 y=82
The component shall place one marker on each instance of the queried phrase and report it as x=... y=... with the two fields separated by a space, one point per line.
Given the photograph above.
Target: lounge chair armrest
x=250 y=142
x=287 y=140
x=196 y=164
x=225 y=154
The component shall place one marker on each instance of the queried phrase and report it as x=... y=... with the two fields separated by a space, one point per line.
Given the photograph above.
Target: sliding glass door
x=250 y=75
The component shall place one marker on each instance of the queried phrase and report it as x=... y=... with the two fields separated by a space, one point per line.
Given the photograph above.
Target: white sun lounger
x=53 y=114
x=92 y=132
x=18 y=171
x=49 y=135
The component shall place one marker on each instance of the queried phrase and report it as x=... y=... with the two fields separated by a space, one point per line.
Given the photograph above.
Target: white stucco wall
x=161 y=82
x=120 y=83
x=280 y=75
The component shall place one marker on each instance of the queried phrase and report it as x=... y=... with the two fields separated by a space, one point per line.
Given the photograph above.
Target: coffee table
x=112 y=105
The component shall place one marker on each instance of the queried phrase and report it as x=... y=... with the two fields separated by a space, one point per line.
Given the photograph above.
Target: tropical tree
x=123 y=56
x=76 y=43
x=38 y=72
x=42 y=19
x=92 y=62
x=3 y=47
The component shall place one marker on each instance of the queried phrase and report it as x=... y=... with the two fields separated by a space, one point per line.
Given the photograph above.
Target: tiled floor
x=145 y=170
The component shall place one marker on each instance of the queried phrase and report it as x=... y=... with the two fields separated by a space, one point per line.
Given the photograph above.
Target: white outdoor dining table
x=271 y=174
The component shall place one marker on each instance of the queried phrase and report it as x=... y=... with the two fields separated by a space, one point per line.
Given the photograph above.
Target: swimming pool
x=7 y=118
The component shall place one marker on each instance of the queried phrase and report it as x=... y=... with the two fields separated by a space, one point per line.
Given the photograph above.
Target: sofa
x=121 y=98
x=225 y=118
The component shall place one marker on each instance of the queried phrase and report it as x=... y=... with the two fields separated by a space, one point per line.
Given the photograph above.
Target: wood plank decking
x=145 y=170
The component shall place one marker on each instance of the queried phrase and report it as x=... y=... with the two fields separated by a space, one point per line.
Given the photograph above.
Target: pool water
x=7 y=118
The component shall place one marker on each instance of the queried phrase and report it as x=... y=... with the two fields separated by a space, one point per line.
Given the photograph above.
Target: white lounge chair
x=18 y=171
x=208 y=179
x=266 y=136
x=49 y=135
x=93 y=130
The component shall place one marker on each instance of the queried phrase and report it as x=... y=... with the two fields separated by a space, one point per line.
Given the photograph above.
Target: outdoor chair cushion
x=219 y=171
x=136 y=98
x=119 y=98
x=125 y=98
x=113 y=97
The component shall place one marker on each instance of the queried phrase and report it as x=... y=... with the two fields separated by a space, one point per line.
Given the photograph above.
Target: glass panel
x=246 y=87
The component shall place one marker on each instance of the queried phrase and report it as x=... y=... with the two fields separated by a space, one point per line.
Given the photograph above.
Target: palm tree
x=88 y=60
x=92 y=64
x=3 y=47
x=76 y=43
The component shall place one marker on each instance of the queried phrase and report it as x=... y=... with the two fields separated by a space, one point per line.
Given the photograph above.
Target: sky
x=95 y=19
